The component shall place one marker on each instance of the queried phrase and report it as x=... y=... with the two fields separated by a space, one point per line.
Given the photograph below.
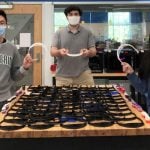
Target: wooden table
x=110 y=76
x=88 y=137
x=88 y=130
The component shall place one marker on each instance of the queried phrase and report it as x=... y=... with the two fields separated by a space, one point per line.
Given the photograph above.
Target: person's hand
x=27 y=62
x=85 y=52
x=63 y=51
x=127 y=68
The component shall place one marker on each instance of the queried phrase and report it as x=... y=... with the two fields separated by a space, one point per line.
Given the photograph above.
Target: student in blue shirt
x=140 y=82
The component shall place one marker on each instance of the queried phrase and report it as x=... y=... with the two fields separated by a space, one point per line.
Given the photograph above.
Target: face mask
x=73 y=20
x=2 y=30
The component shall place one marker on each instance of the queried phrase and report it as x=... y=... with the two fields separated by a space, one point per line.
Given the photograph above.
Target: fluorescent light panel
x=6 y=5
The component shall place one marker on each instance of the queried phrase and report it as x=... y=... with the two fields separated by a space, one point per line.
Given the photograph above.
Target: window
x=119 y=26
x=60 y=20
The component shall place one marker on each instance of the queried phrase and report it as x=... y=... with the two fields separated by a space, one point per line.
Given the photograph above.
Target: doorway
x=24 y=18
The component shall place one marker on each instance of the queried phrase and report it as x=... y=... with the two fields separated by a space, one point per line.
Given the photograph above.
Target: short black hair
x=2 y=13
x=72 y=8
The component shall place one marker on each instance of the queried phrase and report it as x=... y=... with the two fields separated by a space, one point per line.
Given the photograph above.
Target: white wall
x=47 y=33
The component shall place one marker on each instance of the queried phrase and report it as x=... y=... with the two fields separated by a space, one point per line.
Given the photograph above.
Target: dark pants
x=2 y=104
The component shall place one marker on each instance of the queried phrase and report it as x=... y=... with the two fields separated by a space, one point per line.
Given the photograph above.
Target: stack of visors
x=70 y=107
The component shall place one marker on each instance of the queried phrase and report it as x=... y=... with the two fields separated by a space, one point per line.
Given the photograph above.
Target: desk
x=110 y=76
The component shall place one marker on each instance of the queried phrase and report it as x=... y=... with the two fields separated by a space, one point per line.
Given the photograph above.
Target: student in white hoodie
x=11 y=68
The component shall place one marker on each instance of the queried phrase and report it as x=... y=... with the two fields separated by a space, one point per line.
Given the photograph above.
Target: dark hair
x=144 y=68
x=2 y=13
x=72 y=8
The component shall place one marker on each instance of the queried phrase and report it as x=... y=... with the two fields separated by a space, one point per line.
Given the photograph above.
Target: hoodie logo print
x=5 y=60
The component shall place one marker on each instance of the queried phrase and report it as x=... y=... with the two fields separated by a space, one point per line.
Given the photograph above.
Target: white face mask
x=73 y=20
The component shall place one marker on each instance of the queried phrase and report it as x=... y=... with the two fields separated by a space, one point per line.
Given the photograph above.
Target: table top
x=88 y=130
x=109 y=74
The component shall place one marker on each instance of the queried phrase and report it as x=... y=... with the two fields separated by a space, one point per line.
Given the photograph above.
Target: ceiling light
x=6 y=5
